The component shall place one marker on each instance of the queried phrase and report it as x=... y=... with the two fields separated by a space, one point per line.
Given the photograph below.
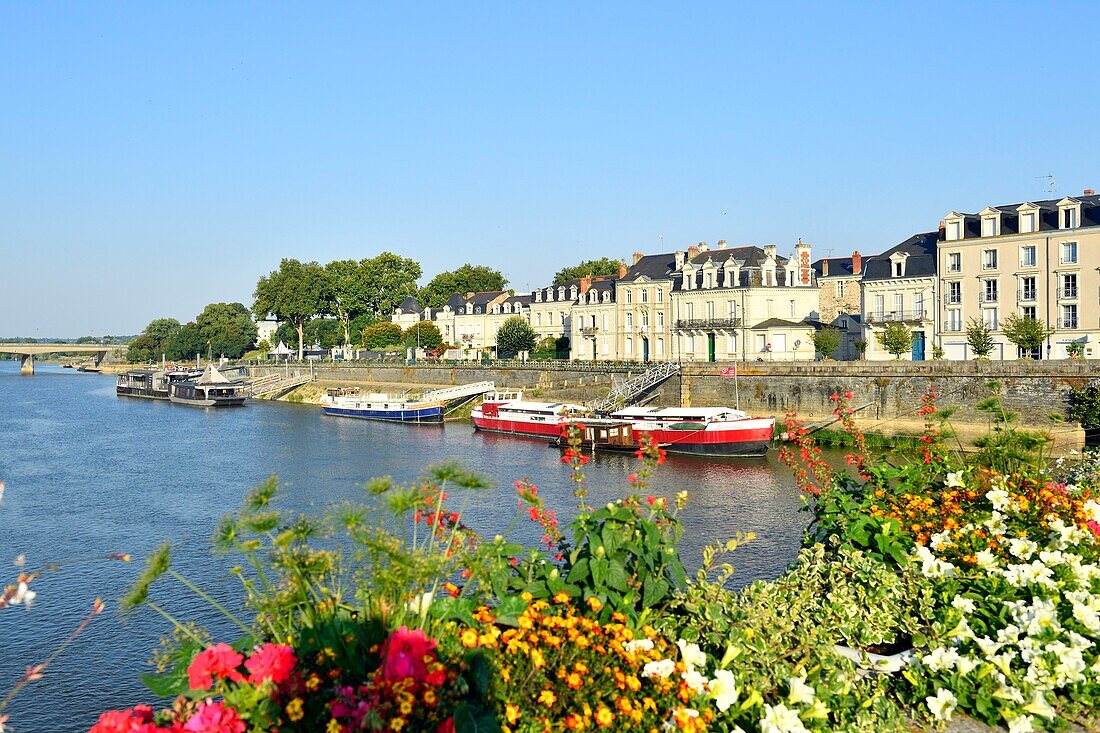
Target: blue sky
x=155 y=157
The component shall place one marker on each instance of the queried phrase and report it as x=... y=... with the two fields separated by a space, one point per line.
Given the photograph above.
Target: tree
x=143 y=349
x=373 y=287
x=161 y=331
x=515 y=335
x=826 y=341
x=1027 y=333
x=424 y=335
x=895 y=338
x=466 y=279
x=228 y=329
x=187 y=343
x=379 y=335
x=980 y=338
x=295 y=293
x=324 y=332
x=603 y=267
x=861 y=346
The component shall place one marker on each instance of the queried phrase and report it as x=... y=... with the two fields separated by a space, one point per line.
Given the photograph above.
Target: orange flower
x=469 y=638
x=604 y=717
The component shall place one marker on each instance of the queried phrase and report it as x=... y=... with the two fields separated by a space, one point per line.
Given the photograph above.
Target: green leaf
x=579 y=572
x=165 y=685
x=599 y=567
x=470 y=719
x=616 y=576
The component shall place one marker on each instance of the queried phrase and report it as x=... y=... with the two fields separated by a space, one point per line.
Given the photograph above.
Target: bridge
x=27 y=352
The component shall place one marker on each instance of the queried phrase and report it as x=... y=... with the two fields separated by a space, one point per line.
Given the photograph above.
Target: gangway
x=273 y=386
x=459 y=391
x=626 y=391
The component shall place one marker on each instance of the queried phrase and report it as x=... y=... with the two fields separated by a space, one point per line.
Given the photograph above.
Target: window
x=954 y=262
x=1027 y=222
x=841 y=286
x=989 y=291
x=732 y=343
x=989 y=259
x=1069 y=218
x=629 y=346
x=761 y=342
x=710 y=309
x=605 y=321
x=779 y=342
x=792 y=310
x=954 y=230
x=689 y=344
x=731 y=308
x=630 y=320
x=989 y=226
x=645 y=296
x=1069 y=317
x=660 y=295
x=1027 y=256
x=660 y=320
x=707 y=280
x=1028 y=312
x=645 y=318
x=918 y=305
x=880 y=306
x=1027 y=288
x=1069 y=253
x=954 y=320
x=1069 y=286
x=899 y=304
x=689 y=310
x=660 y=347
x=561 y=314
x=989 y=318
x=898 y=269
x=629 y=297
x=606 y=348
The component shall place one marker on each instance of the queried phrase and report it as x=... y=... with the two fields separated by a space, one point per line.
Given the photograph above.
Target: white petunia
x=966 y=665
x=940 y=659
x=964 y=604
x=800 y=693
x=1022 y=548
x=1091 y=509
x=986 y=560
x=988 y=646
x=662 y=668
x=692 y=655
x=1039 y=706
x=724 y=689
x=999 y=498
x=639 y=645
x=693 y=679
x=940 y=540
x=954 y=480
x=1021 y=724
x=780 y=719
x=942 y=704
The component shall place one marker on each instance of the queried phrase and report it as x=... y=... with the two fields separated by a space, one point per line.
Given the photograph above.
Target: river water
x=89 y=473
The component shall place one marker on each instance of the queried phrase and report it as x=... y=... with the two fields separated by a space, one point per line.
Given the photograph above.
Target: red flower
x=847 y=395
x=403 y=654
x=138 y=719
x=219 y=660
x=215 y=717
x=632 y=478
x=272 y=662
x=651 y=500
x=447 y=726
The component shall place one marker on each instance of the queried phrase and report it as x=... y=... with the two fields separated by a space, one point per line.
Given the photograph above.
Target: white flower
x=1011 y=694
x=800 y=692
x=420 y=604
x=1022 y=548
x=662 y=668
x=966 y=665
x=940 y=540
x=931 y=566
x=1020 y=724
x=1092 y=510
x=999 y=499
x=694 y=680
x=637 y=645
x=692 y=655
x=954 y=480
x=1051 y=558
x=964 y=604
x=942 y=704
x=1038 y=706
x=780 y=719
x=988 y=646
x=986 y=560
x=940 y=659
x=724 y=689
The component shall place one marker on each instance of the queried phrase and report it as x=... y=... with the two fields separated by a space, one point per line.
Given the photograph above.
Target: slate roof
x=485 y=297
x=1048 y=216
x=921 y=262
x=750 y=258
x=838 y=266
x=655 y=267
x=456 y=301
x=410 y=305
x=523 y=299
x=780 y=323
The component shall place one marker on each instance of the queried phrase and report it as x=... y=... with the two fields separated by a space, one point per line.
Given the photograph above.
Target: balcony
x=589 y=330
x=898 y=317
x=1067 y=323
x=1025 y=296
x=1067 y=294
x=952 y=299
x=987 y=297
x=706 y=324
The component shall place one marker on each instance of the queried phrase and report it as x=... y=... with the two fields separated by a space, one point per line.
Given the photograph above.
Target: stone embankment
x=888 y=393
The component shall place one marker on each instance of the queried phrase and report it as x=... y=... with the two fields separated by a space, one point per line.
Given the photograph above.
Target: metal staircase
x=625 y=392
x=273 y=386
x=459 y=391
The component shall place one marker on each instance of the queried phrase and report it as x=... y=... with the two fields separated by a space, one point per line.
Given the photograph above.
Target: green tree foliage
x=294 y=293
x=372 y=287
x=379 y=335
x=603 y=267
x=826 y=341
x=228 y=329
x=466 y=279
x=979 y=338
x=324 y=332
x=515 y=335
x=1075 y=350
x=423 y=334
x=143 y=349
x=895 y=338
x=1084 y=406
x=1027 y=333
x=186 y=344
x=161 y=332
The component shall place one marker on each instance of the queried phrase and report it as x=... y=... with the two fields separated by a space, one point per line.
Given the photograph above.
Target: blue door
x=918 y=345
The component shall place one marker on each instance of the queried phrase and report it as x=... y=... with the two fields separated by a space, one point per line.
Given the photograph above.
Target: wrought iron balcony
x=1067 y=323
x=988 y=297
x=1067 y=293
x=701 y=324
x=1026 y=296
x=589 y=330
x=952 y=299
x=898 y=316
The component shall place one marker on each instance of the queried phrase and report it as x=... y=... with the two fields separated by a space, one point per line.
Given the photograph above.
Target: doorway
x=918 y=345
x=645 y=348
x=710 y=347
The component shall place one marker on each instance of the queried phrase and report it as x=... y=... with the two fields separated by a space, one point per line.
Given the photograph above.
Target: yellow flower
x=511 y=713
x=333 y=726
x=561 y=597
x=595 y=603
x=469 y=638
x=547 y=698
x=604 y=717
x=397 y=724
x=294 y=710
x=537 y=659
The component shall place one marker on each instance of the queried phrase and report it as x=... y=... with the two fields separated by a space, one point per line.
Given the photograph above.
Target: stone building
x=1040 y=260
x=899 y=286
x=643 y=308
x=594 y=320
x=409 y=313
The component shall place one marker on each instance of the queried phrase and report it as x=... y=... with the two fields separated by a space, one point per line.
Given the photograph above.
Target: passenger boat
x=508 y=412
x=212 y=389
x=703 y=431
x=347 y=402
x=150 y=383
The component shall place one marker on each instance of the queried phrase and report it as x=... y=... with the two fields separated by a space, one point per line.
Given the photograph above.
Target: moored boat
x=508 y=412
x=150 y=383
x=347 y=402
x=705 y=431
x=596 y=434
x=212 y=389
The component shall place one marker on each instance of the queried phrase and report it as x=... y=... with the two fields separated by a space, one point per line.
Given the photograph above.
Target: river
x=88 y=473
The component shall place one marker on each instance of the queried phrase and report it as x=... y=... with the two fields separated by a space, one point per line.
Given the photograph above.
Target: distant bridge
x=28 y=351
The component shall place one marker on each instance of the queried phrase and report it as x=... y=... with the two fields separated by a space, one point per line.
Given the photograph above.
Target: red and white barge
x=508 y=412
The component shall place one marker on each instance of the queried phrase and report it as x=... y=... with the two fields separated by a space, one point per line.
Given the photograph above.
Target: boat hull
x=753 y=438
x=516 y=427
x=209 y=401
x=432 y=414
x=148 y=394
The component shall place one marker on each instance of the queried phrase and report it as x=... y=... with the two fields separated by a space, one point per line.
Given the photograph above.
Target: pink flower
x=219 y=660
x=138 y=719
x=272 y=662
x=404 y=652
x=215 y=717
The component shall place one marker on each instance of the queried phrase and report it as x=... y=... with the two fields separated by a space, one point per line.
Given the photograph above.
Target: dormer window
x=561 y=293
x=953 y=226
x=1069 y=218
x=989 y=226
x=1029 y=219
x=607 y=297
x=899 y=268
x=1069 y=214
x=573 y=293
x=897 y=263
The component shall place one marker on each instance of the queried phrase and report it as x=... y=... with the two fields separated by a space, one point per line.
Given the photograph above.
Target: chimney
x=825 y=268
x=942 y=225
x=679 y=260
x=1090 y=192
x=802 y=262
x=857 y=262
x=704 y=247
x=637 y=257
x=586 y=284
x=770 y=250
x=622 y=270
x=721 y=244
x=693 y=250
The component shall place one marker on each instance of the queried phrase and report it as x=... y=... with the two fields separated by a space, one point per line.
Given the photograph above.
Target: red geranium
x=404 y=653
x=138 y=719
x=272 y=662
x=219 y=660
x=215 y=717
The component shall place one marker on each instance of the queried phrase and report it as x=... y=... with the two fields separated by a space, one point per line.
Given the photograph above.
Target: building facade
x=900 y=286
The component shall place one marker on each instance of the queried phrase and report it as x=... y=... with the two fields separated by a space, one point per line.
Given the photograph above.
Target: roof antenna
x=1050 y=183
